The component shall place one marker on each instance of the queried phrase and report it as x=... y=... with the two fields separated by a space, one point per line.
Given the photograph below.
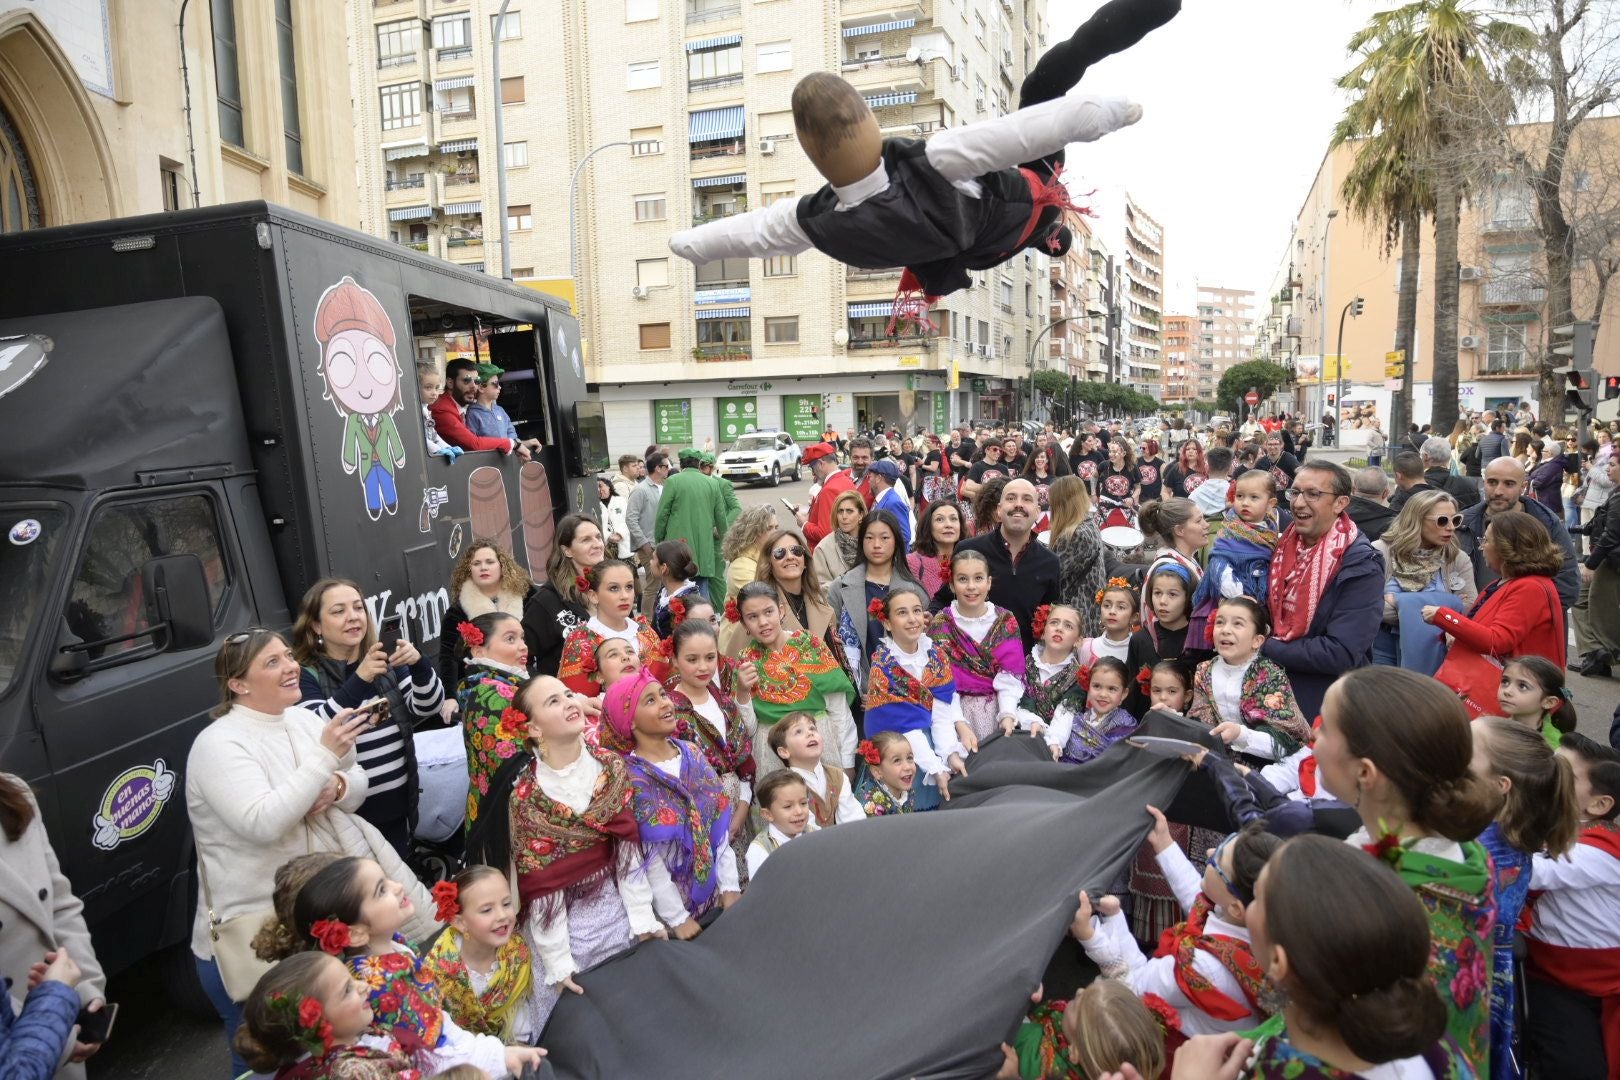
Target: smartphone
x=391 y=632
x=794 y=510
x=96 y=1027
x=375 y=709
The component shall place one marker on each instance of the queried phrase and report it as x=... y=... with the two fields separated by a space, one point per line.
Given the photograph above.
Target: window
x=978 y=27
x=640 y=11
x=453 y=34
x=512 y=90
x=1504 y=350
x=647 y=141
x=643 y=75
x=652 y=273
x=780 y=266
x=291 y=130
x=521 y=272
x=782 y=331
x=397 y=42
x=766 y=198
x=655 y=335
x=107 y=599
x=1511 y=205
x=169 y=178
x=401 y=105
x=720 y=333
x=713 y=67
x=517 y=155
x=776 y=125
x=227 y=80
x=774 y=56
x=510 y=28
x=651 y=207
x=722 y=274
x=1006 y=295
x=519 y=217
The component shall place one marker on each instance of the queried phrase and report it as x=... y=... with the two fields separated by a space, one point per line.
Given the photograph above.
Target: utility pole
x=500 y=142
x=1322 y=306
x=1353 y=308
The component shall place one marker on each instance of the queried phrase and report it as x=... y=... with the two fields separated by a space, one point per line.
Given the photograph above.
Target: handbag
x=239 y=966
x=1473 y=677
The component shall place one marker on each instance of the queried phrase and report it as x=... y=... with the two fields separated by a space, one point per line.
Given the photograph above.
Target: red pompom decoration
x=1144 y=679
x=870 y=752
x=733 y=613
x=1037 y=621
x=1082 y=678
x=876 y=610
x=331 y=935
x=446 y=899
x=470 y=634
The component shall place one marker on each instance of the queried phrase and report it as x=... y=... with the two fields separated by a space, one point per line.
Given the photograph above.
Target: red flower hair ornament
x=869 y=751
x=1082 y=678
x=1144 y=679
x=677 y=611
x=331 y=935
x=582 y=583
x=1387 y=847
x=470 y=634
x=447 y=900
x=1037 y=622
x=307 y=1020
x=733 y=613
x=877 y=609
x=513 y=726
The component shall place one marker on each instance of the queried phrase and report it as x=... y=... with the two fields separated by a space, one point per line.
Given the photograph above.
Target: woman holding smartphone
x=345 y=665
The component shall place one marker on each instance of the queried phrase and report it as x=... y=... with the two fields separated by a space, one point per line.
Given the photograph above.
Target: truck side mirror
x=177 y=592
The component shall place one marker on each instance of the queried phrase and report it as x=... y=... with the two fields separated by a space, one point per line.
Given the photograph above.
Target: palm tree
x=1423 y=67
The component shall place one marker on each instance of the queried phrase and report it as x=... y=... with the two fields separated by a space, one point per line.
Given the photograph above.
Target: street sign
x=1394 y=364
x=1251 y=399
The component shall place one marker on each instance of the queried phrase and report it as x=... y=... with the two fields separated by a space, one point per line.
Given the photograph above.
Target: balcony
x=1505 y=365
x=460 y=180
x=464 y=242
x=416 y=245
x=1523 y=223
x=455 y=57
x=730 y=351
x=1511 y=292
x=415 y=181
x=386 y=62
x=719 y=150
x=717 y=82
x=871 y=74
x=703 y=11
x=909 y=340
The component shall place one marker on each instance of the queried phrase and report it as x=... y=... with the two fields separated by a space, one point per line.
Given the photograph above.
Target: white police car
x=760 y=456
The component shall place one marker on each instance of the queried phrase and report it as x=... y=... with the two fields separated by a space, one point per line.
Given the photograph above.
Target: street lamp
x=1322 y=303
x=500 y=142
x=1048 y=328
x=1353 y=308
x=573 y=237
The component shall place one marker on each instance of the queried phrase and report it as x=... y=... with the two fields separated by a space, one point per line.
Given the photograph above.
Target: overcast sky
x=1238 y=103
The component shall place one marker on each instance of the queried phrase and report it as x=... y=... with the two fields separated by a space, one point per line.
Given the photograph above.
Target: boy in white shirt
x=783 y=799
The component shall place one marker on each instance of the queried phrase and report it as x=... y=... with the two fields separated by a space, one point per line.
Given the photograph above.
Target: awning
x=454 y=84
x=456 y=146
x=409 y=150
x=874 y=310
x=723 y=313
x=720 y=181
x=464 y=208
x=410 y=213
x=902 y=97
x=714 y=43
x=722 y=123
x=879 y=28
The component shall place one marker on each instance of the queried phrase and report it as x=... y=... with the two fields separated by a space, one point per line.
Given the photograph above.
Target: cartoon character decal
x=362 y=375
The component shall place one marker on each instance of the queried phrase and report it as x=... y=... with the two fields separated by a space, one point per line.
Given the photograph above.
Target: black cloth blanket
x=903 y=946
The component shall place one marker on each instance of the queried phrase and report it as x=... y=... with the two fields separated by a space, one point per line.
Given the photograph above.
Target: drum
x=1121 y=538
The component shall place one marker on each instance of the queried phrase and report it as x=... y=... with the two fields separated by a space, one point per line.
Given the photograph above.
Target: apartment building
x=95 y=122
x=1181 y=361
x=1226 y=336
x=1332 y=258
x=1142 y=301
x=682 y=107
x=1066 y=349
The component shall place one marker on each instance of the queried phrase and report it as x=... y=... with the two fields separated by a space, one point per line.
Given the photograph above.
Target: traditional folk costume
x=832 y=795
x=663 y=619
x=1092 y=649
x=1043 y=1050
x=1088 y=735
x=987 y=662
x=1256 y=695
x=577 y=669
x=405 y=994
x=1275 y=1058
x=1453 y=882
x=768 y=842
x=576 y=850
x=915 y=694
x=496 y=1002
x=685 y=822
x=878 y=801
x=483 y=697
x=1204 y=967
x=1239 y=565
x=1573 y=940
x=801 y=675
x=723 y=730
x=374 y=1057
x=1510 y=883
x=1051 y=690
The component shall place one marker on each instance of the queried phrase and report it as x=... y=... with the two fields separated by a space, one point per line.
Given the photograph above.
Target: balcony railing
x=699 y=12
x=736 y=350
x=396 y=61
x=1514 y=224
x=704 y=151
x=1508 y=364
x=455 y=52
x=701 y=216
x=695 y=86
x=399 y=183
x=464 y=242
x=460 y=179
x=455 y=116
x=1511 y=292
x=907 y=340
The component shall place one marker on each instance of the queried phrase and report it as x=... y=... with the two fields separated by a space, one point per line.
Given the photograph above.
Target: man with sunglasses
x=1327 y=583
x=450 y=412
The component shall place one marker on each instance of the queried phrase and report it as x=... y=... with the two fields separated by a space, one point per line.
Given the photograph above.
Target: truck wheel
x=776 y=475
x=177 y=970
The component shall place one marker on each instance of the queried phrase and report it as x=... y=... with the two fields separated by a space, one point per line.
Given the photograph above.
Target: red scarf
x=1185 y=940
x=1300 y=575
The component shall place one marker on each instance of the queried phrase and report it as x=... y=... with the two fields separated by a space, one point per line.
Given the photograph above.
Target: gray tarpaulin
x=898 y=947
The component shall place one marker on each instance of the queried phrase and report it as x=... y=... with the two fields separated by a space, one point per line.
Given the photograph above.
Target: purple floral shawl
x=686 y=821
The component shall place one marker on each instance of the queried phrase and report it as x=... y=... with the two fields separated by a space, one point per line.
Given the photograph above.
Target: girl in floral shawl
x=610 y=588
x=1397 y=746
x=791 y=673
x=985 y=648
x=559 y=814
x=1245 y=697
x=683 y=815
x=1357 y=991
x=719 y=724
x=480 y=961
x=496 y=669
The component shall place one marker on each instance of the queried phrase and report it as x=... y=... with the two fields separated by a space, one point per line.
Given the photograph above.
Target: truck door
x=116 y=736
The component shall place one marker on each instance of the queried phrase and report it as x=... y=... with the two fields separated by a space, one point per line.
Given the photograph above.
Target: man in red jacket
x=450 y=412
x=817 y=519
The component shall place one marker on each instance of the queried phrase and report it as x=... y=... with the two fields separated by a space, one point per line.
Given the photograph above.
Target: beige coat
x=38 y=913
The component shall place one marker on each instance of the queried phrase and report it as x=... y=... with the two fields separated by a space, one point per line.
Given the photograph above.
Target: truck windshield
x=33 y=541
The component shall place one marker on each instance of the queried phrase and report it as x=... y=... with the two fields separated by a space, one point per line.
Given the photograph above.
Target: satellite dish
x=841 y=338
x=914 y=54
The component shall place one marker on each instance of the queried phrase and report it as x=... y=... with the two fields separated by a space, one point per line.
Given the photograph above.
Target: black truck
x=201 y=414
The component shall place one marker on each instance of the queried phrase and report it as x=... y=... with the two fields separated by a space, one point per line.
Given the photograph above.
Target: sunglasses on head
x=784 y=552
x=247 y=635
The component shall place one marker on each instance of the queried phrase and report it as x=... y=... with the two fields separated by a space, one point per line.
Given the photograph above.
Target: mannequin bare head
x=836 y=128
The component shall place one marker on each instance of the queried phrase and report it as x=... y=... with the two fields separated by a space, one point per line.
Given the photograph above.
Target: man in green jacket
x=728 y=493
x=691 y=509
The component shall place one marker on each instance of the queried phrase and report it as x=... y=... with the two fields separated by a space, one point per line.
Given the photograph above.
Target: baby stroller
x=439 y=850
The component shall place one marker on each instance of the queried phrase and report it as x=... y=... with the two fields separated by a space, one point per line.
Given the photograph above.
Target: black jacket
x=1460 y=488
x=1020 y=587
x=1372 y=518
x=1604 y=533
x=1398 y=500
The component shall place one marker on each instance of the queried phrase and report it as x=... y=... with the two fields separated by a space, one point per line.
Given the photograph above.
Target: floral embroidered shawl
x=355 y=1062
x=1091 y=734
x=1185 y=940
x=728 y=751
x=1267 y=703
x=577 y=668
x=556 y=848
x=493 y=1011
x=896 y=700
x=975 y=664
x=877 y=801
x=1043 y=698
x=1274 y=1058
x=796 y=676
x=686 y=820
x=1510 y=883
x=403 y=993
x=485 y=693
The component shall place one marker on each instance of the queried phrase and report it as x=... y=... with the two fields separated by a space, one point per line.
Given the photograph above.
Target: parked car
x=761 y=456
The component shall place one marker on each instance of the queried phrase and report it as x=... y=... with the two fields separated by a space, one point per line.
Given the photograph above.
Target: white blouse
x=710 y=710
x=1009 y=688
x=1226 y=687
x=1061 y=722
x=931 y=752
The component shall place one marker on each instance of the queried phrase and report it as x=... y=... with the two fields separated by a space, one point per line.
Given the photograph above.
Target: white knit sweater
x=250 y=779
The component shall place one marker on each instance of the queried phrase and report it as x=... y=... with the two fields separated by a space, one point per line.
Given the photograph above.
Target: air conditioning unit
x=1470 y=273
x=1468 y=342
x=639 y=291
x=767 y=146
x=978 y=104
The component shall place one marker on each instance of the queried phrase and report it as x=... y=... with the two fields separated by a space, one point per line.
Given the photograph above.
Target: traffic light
x=1611 y=387
x=1358 y=307
x=1578 y=395
x=1331 y=401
